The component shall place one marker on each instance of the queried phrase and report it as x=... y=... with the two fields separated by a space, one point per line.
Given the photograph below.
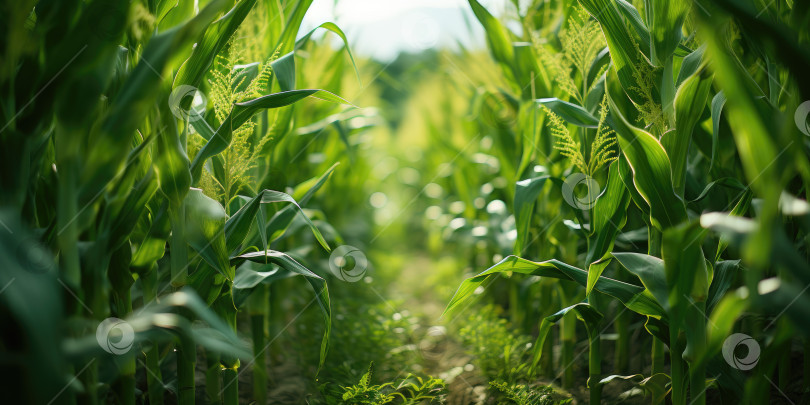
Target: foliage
x=107 y=135
x=410 y=390
x=523 y=395
x=500 y=353
x=664 y=75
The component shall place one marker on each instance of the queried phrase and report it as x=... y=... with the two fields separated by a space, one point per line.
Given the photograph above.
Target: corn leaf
x=214 y=39
x=279 y=223
x=318 y=285
x=633 y=297
x=526 y=193
x=498 y=37
x=571 y=113
x=609 y=215
x=690 y=100
x=242 y=112
x=284 y=67
x=205 y=230
x=665 y=20
x=136 y=99
x=585 y=312
x=649 y=162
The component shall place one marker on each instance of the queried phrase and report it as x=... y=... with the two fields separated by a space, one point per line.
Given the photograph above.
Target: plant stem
x=179 y=250
x=622 y=354
x=657 y=356
x=257 y=304
x=66 y=212
x=121 y=280
x=697 y=369
x=568 y=338
x=124 y=386
x=677 y=368
x=89 y=379
x=654 y=249
x=154 y=378
x=186 y=350
x=230 y=394
x=547 y=361
x=186 y=359
x=230 y=364
x=213 y=387
x=595 y=368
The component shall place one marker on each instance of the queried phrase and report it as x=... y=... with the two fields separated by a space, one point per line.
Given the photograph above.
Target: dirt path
x=442 y=356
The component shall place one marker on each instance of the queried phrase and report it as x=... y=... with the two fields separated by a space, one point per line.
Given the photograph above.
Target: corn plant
x=128 y=193
x=686 y=110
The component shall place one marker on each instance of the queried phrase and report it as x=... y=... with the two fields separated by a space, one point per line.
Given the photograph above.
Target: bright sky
x=383 y=28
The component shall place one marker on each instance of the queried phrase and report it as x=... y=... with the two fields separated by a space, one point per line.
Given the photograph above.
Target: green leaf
x=730 y=182
x=284 y=67
x=242 y=112
x=318 y=285
x=286 y=41
x=652 y=175
x=650 y=270
x=691 y=64
x=631 y=296
x=690 y=100
x=722 y=320
x=622 y=50
x=282 y=219
x=151 y=324
x=688 y=279
x=238 y=225
x=633 y=17
x=526 y=193
x=117 y=225
x=571 y=113
x=205 y=230
x=136 y=98
x=609 y=215
x=665 y=20
x=498 y=37
x=269 y=196
x=725 y=272
x=718 y=101
x=585 y=312
x=656 y=384
x=213 y=41
x=172 y=164
x=152 y=246
x=251 y=275
x=33 y=302
x=739 y=230
x=595 y=270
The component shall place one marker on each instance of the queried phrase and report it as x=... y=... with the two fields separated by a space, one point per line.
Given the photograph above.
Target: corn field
x=219 y=202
